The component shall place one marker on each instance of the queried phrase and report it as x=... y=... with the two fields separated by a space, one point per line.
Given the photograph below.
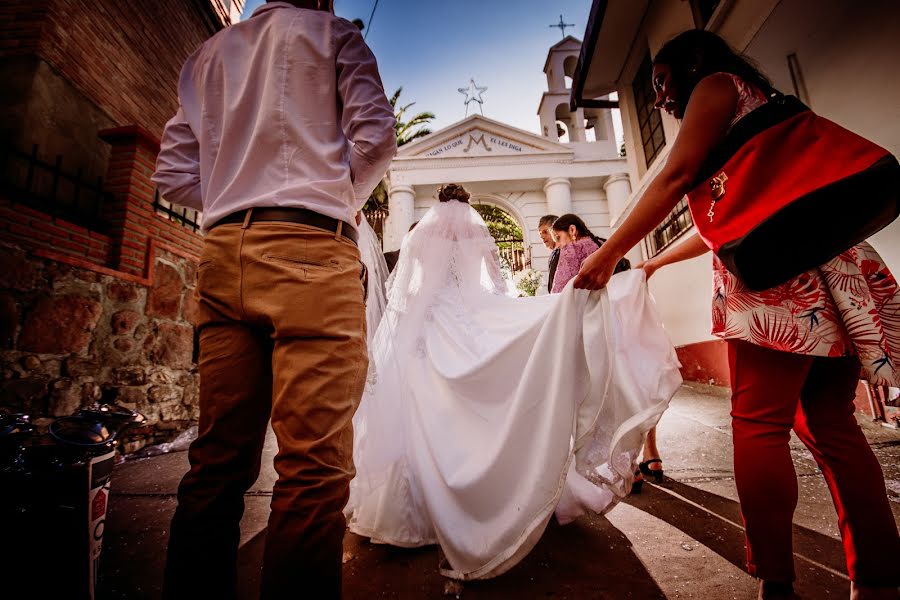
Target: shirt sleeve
x=367 y=118
x=178 y=164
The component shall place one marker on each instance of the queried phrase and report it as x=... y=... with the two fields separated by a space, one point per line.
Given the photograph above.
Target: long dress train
x=484 y=413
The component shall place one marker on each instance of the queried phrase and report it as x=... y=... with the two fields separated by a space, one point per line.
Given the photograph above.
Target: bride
x=485 y=414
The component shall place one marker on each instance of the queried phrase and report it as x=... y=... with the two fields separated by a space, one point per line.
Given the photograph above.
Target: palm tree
x=407 y=131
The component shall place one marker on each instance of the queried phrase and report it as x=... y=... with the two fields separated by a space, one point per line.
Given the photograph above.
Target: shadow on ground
x=716 y=523
x=587 y=559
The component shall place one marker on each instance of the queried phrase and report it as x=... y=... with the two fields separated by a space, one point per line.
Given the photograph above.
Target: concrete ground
x=680 y=539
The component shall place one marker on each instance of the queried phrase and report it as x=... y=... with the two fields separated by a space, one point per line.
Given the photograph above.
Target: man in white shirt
x=283 y=131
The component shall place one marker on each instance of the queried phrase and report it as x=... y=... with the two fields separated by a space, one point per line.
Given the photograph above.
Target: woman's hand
x=649 y=267
x=597 y=269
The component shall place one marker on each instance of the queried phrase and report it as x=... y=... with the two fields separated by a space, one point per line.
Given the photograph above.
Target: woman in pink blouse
x=575 y=242
x=795 y=351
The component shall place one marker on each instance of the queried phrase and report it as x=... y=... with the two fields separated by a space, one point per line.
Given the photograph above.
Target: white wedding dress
x=371 y=256
x=485 y=414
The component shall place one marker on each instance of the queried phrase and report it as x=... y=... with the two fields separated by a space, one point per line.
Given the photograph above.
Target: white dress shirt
x=284 y=109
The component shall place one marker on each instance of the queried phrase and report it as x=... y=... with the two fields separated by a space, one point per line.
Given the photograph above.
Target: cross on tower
x=562 y=26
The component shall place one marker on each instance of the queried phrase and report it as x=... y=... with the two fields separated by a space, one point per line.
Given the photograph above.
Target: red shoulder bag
x=788 y=190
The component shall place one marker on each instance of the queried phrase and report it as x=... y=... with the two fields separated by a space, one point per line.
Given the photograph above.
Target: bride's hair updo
x=452 y=191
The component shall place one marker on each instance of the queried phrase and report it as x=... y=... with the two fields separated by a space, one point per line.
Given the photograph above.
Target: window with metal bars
x=678 y=222
x=186 y=217
x=52 y=188
x=653 y=139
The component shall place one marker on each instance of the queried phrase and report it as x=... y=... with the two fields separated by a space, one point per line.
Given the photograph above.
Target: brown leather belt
x=292 y=215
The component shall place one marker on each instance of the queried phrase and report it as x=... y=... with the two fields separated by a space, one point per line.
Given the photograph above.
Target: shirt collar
x=271 y=6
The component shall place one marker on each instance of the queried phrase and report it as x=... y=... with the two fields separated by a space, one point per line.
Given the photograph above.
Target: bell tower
x=558 y=122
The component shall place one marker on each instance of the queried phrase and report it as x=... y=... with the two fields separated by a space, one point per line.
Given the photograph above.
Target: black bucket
x=55 y=499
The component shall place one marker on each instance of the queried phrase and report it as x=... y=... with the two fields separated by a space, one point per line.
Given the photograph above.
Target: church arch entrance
x=507 y=233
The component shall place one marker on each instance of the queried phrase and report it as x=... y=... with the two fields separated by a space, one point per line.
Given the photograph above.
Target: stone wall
x=71 y=336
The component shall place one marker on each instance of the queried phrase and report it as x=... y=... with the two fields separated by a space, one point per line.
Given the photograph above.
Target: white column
x=559 y=195
x=548 y=123
x=401 y=213
x=577 y=132
x=618 y=192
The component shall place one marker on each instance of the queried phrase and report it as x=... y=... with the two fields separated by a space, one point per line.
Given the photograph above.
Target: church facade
x=526 y=175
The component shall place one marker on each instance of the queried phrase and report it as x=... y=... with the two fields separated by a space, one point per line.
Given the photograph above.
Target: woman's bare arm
x=705 y=124
x=692 y=247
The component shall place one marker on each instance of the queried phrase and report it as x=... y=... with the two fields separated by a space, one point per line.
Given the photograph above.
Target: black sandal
x=638 y=482
x=645 y=469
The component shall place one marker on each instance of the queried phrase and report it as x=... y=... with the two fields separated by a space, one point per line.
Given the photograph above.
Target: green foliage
x=378 y=199
x=407 y=131
x=499 y=223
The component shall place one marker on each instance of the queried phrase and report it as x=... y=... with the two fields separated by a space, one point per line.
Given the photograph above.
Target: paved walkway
x=681 y=539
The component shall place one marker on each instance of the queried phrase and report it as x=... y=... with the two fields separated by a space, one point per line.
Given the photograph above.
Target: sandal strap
x=644 y=467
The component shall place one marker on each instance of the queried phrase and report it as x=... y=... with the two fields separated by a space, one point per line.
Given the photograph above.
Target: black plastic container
x=55 y=497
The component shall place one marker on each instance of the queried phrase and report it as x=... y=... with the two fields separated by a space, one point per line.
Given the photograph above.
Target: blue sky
x=433 y=47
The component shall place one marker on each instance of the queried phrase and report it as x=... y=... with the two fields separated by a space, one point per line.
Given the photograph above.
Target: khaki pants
x=282 y=336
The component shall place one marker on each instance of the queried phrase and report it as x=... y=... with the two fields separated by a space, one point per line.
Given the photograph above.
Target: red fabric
x=772 y=393
x=777 y=166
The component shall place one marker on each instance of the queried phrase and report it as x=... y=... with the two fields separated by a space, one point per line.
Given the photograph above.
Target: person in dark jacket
x=545 y=229
x=393 y=256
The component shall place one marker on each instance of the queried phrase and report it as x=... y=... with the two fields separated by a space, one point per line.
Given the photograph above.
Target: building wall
x=847 y=54
x=592 y=207
x=125 y=56
x=103 y=312
x=665 y=20
x=96 y=315
x=75 y=67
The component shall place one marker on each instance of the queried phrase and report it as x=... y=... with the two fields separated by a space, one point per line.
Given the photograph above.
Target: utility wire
x=369 y=26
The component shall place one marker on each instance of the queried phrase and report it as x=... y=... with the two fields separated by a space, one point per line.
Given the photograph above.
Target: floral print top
x=849 y=305
x=570 y=258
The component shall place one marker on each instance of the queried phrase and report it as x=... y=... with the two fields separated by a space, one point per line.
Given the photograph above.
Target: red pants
x=772 y=393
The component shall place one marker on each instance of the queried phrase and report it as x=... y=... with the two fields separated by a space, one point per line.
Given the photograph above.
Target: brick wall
x=125 y=56
x=133 y=223
x=71 y=68
x=78 y=67
x=33 y=229
x=22 y=24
